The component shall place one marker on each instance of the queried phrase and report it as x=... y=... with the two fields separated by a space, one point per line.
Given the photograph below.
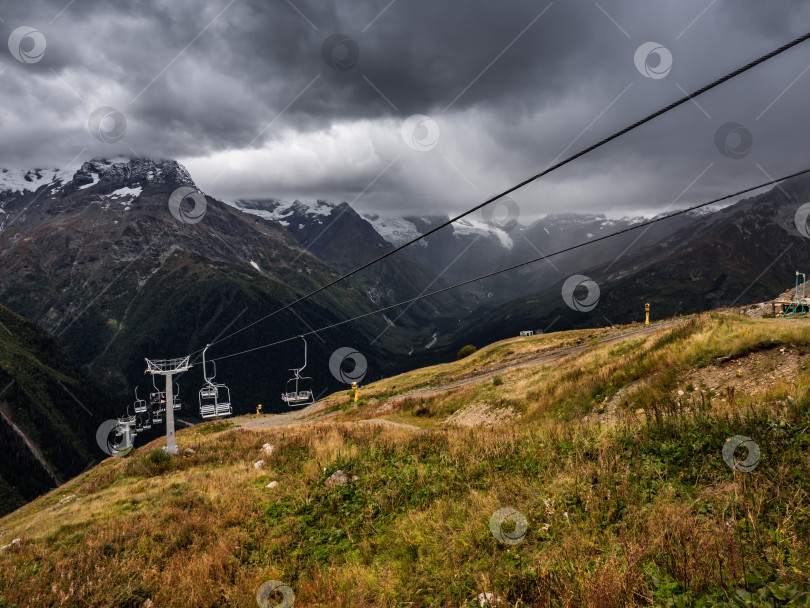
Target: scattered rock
x=147 y=604
x=751 y=374
x=337 y=478
x=4 y=548
x=190 y=452
x=258 y=464
x=489 y=599
x=268 y=449
x=272 y=484
x=66 y=500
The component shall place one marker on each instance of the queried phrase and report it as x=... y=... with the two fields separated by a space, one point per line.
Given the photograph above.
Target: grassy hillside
x=608 y=442
x=49 y=413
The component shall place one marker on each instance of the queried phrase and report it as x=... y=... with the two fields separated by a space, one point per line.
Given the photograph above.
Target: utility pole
x=168 y=367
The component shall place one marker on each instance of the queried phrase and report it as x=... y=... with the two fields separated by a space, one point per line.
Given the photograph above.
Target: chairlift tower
x=127 y=431
x=168 y=367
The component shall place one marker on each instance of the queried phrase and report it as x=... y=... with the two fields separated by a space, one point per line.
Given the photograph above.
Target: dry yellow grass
x=611 y=508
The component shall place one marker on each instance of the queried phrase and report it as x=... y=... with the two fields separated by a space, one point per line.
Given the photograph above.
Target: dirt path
x=303 y=416
x=309 y=413
x=296 y=416
x=551 y=356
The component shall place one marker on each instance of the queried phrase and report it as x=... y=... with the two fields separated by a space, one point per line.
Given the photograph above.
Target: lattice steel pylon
x=798 y=305
x=168 y=367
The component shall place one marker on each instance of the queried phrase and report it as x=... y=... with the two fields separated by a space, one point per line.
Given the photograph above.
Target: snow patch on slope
x=125 y=191
x=395 y=230
x=280 y=211
x=21 y=180
x=96 y=178
x=469 y=226
x=399 y=231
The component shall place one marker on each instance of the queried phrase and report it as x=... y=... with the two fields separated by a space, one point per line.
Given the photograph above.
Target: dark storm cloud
x=512 y=85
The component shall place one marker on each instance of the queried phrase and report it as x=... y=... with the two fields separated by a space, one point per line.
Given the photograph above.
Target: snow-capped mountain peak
x=124 y=175
x=130 y=173
x=395 y=230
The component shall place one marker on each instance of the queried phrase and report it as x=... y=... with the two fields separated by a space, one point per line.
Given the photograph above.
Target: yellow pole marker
x=259 y=409
x=356 y=390
x=647 y=311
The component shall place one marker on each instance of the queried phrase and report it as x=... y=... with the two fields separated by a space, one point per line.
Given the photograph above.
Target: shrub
x=159 y=461
x=466 y=351
x=497 y=381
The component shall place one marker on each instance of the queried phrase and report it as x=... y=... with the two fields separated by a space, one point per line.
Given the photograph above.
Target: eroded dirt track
x=541 y=359
x=535 y=360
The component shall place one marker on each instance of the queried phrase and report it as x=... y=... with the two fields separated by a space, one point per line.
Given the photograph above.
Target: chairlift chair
x=176 y=397
x=140 y=404
x=298 y=395
x=215 y=398
x=157 y=403
x=157 y=398
x=127 y=420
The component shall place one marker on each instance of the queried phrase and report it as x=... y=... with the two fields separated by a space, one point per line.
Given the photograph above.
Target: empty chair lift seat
x=298 y=391
x=215 y=398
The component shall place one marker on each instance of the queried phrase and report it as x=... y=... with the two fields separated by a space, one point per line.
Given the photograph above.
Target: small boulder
x=336 y=478
x=189 y=452
x=66 y=500
x=258 y=464
x=268 y=450
x=272 y=484
x=489 y=599
x=16 y=544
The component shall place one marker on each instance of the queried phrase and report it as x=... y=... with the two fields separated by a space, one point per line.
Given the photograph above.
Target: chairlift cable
x=531 y=179
x=526 y=263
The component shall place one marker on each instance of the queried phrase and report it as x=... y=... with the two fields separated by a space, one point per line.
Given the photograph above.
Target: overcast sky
x=310 y=99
